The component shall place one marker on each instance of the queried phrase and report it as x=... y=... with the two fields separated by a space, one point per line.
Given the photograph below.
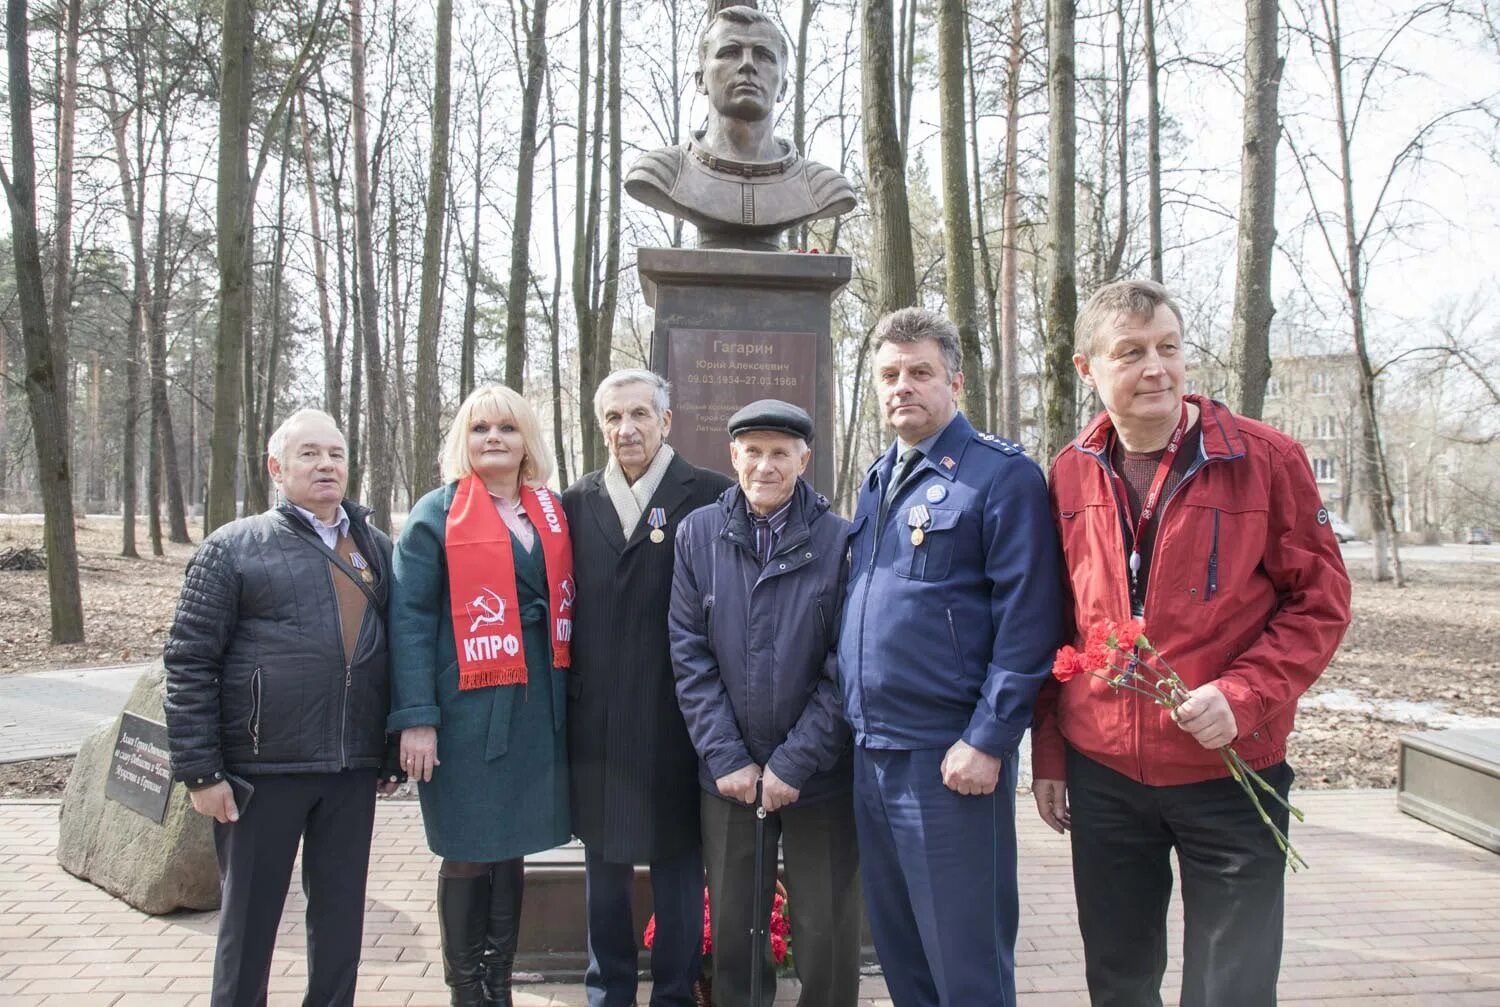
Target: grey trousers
x=825 y=903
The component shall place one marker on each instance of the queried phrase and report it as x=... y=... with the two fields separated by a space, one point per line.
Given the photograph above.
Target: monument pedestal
x=1451 y=779
x=733 y=327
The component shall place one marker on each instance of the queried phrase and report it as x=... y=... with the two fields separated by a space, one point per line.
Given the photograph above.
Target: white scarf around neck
x=630 y=499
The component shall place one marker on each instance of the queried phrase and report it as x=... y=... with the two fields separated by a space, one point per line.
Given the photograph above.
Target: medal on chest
x=917 y=518
x=359 y=563
x=657 y=519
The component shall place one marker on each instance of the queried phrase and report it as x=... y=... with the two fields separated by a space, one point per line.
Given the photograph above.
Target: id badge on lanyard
x=1153 y=497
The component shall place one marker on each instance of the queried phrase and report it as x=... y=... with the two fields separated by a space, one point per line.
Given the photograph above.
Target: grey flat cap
x=774 y=415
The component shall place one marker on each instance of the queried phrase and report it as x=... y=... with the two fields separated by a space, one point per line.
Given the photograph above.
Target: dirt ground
x=1427 y=655
x=127 y=603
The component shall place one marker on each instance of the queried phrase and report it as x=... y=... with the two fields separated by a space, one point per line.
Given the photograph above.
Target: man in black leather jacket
x=277 y=698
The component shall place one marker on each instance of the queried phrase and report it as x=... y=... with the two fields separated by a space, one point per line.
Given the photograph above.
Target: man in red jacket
x=1208 y=526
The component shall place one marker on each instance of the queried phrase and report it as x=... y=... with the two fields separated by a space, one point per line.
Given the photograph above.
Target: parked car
x=1480 y=536
x=1342 y=530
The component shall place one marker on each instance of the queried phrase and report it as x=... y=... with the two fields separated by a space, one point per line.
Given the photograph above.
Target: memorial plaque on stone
x=140 y=771
x=717 y=371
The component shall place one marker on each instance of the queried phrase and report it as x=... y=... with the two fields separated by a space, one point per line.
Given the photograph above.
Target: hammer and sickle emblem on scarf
x=490 y=609
x=566 y=589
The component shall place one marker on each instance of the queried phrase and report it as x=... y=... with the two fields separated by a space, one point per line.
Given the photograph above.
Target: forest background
x=224 y=211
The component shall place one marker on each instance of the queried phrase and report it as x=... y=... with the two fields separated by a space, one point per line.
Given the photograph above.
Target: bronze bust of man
x=737 y=182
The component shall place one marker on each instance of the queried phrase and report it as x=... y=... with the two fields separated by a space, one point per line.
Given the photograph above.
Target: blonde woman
x=481 y=625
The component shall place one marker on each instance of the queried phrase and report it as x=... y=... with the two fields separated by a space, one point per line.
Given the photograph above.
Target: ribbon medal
x=358 y=562
x=656 y=519
x=917 y=519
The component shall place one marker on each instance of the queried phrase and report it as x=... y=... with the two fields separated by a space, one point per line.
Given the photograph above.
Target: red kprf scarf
x=482 y=584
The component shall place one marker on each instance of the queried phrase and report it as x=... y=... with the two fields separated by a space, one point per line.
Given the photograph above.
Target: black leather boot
x=508 y=881
x=463 y=906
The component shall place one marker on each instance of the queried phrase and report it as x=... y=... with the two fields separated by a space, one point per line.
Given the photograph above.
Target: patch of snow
x=1398 y=711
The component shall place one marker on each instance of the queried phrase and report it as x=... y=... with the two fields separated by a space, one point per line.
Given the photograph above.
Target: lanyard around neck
x=1153 y=495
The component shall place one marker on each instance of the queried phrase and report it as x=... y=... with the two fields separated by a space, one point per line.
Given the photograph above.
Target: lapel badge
x=656 y=519
x=948 y=462
x=937 y=493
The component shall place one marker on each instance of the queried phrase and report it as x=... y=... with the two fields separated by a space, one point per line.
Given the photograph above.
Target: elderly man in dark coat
x=634 y=770
x=754 y=627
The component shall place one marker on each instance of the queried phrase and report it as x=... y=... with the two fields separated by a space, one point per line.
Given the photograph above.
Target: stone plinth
x=1451 y=779
x=732 y=327
x=156 y=868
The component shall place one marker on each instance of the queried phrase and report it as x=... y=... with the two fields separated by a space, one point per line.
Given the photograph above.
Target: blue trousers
x=614 y=935
x=939 y=875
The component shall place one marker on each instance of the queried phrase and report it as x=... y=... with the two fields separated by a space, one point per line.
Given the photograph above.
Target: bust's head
x=742 y=63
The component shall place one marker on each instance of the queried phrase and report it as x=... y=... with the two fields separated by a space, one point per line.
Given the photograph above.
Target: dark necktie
x=904 y=465
x=908 y=461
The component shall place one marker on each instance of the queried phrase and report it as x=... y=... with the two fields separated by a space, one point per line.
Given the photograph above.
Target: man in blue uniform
x=953 y=613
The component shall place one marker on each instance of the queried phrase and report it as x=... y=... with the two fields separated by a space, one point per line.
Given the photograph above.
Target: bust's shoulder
x=830 y=189
x=657 y=168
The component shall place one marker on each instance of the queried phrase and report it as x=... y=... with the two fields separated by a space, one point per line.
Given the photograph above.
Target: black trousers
x=332 y=815
x=1233 y=883
x=822 y=883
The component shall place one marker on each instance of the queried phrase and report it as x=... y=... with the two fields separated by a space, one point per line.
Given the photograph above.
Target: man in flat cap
x=756 y=597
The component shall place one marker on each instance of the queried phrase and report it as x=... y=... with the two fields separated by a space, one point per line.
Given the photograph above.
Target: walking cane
x=758 y=910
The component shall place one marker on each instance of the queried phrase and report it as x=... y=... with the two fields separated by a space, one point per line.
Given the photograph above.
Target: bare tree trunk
x=254 y=491
x=354 y=429
x=335 y=374
x=471 y=261
x=1122 y=150
x=331 y=361
x=885 y=163
x=805 y=12
x=843 y=492
x=981 y=232
x=1062 y=286
x=278 y=321
x=520 y=233
x=397 y=342
x=46 y=364
x=379 y=496
x=427 y=422
x=586 y=230
x=1373 y=464
x=903 y=51
x=1250 y=329
x=5 y=423
x=1010 y=242
x=559 y=439
x=133 y=199
x=1153 y=140
x=235 y=87
x=958 y=235
x=604 y=321
x=161 y=407
x=62 y=243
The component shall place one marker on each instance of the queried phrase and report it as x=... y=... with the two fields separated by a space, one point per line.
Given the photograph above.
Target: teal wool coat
x=501 y=790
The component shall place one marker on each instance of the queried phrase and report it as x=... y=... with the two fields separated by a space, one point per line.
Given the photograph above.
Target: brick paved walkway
x=47 y=713
x=1393 y=912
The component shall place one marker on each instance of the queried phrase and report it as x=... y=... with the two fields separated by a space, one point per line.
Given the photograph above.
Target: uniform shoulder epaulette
x=1000 y=444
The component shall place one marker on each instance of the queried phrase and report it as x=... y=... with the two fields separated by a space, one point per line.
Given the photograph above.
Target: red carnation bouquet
x=780 y=932
x=1120 y=654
